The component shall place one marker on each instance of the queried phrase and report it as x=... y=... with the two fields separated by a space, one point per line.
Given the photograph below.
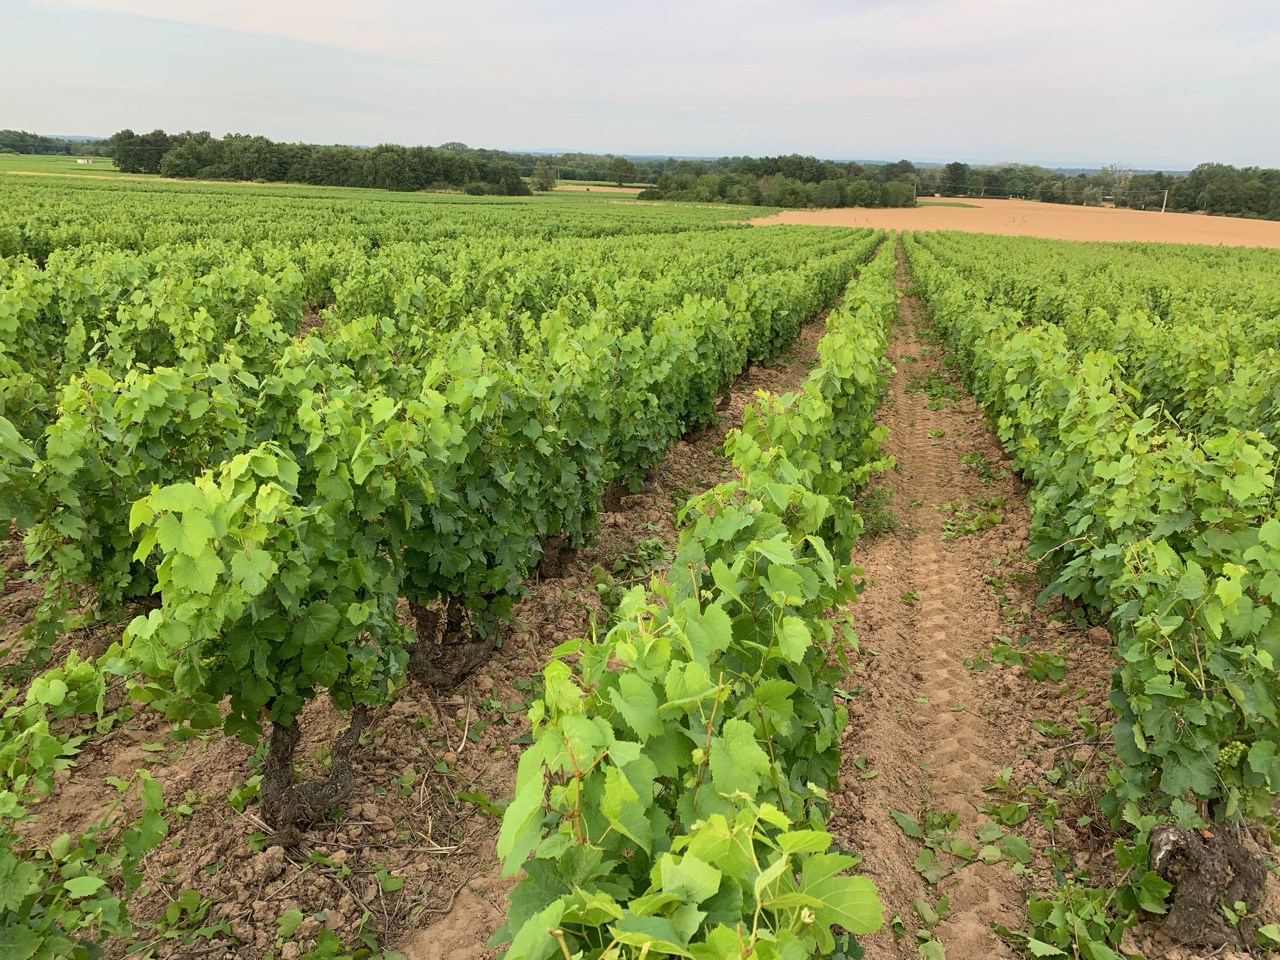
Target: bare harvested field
x=596 y=188
x=1050 y=220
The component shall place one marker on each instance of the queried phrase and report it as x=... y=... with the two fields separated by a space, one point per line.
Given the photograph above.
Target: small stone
x=384 y=824
x=308 y=929
x=1100 y=635
x=270 y=864
x=290 y=951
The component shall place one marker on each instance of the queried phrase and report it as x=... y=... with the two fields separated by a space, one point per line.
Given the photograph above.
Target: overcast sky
x=1153 y=84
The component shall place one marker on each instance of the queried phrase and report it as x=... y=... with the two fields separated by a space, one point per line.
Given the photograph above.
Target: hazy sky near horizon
x=1153 y=84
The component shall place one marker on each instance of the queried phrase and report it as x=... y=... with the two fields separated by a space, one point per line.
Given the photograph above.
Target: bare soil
x=1051 y=220
x=596 y=188
x=928 y=732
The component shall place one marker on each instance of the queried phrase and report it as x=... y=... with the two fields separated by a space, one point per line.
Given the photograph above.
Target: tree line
x=788 y=180
x=1215 y=188
x=20 y=141
x=202 y=156
x=796 y=181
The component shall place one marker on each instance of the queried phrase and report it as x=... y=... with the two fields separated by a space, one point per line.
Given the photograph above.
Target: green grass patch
x=52 y=164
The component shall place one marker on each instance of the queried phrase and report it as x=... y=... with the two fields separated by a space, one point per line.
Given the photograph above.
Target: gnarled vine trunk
x=291 y=807
x=556 y=553
x=446 y=652
x=1209 y=870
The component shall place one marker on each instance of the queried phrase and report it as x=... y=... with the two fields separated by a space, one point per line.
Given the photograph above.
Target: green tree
x=544 y=177
x=621 y=170
x=829 y=193
x=140 y=153
x=955 y=179
x=1050 y=191
x=783 y=191
x=897 y=170
x=898 y=193
x=505 y=177
x=862 y=193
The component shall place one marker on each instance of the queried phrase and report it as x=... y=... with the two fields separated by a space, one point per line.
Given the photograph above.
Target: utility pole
x=1166 y=200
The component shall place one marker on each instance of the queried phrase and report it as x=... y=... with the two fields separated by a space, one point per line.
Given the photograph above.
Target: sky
x=1162 y=85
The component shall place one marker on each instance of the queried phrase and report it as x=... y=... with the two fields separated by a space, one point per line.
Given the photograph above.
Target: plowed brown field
x=1052 y=220
x=597 y=188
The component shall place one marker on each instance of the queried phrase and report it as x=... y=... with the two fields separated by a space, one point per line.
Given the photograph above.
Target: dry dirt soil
x=936 y=722
x=1052 y=220
x=594 y=188
x=966 y=692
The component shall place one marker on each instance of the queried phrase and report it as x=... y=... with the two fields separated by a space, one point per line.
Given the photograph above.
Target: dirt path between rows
x=928 y=732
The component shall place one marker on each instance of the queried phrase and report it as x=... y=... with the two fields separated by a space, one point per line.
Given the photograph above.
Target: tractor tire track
x=927 y=732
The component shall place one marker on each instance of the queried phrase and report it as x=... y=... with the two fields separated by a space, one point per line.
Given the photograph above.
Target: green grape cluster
x=1230 y=756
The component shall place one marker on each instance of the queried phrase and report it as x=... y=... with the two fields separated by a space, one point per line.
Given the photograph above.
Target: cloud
x=978 y=79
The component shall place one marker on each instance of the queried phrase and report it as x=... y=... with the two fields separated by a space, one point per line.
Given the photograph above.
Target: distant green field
x=27 y=163
x=42 y=173
x=946 y=203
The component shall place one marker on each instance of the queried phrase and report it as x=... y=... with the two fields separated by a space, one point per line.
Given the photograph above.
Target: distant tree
x=621 y=170
x=455 y=147
x=955 y=179
x=544 y=176
x=1049 y=191
x=186 y=159
x=829 y=193
x=140 y=153
x=1220 y=197
x=1091 y=196
x=898 y=193
x=127 y=153
x=782 y=191
x=504 y=176
x=20 y=141
x=387 y=167
x=1255 y=198
x=1115 y=179
x=897 y=170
